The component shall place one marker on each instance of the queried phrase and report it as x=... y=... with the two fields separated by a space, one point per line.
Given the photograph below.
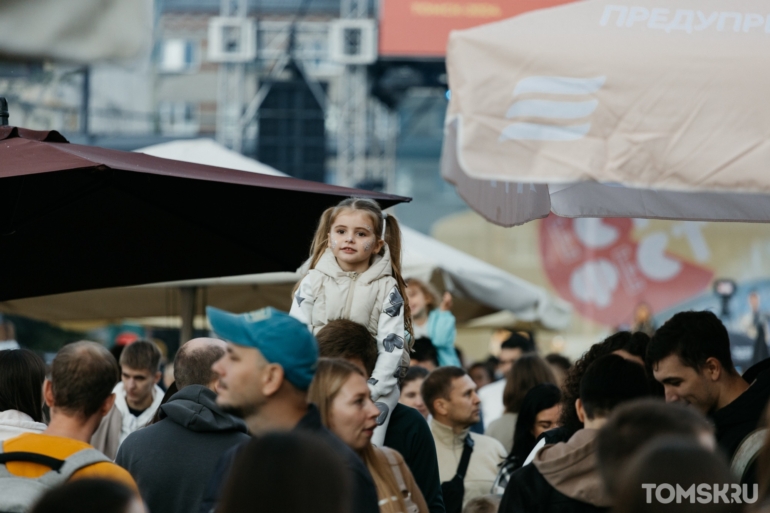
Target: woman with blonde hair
x=433 y=319
x=340 y=391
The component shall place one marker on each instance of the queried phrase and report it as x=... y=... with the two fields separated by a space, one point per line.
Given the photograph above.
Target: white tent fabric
x=77 y=31
x=208 y=152
x=484 y=283
x=605 y=108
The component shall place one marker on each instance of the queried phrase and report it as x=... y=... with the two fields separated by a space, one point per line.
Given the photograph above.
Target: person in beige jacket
x=450 y=395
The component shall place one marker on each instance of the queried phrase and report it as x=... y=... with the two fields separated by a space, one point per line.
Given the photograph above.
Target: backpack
x=18 y=494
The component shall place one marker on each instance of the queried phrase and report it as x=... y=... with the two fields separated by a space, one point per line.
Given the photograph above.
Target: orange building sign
x=420 y=28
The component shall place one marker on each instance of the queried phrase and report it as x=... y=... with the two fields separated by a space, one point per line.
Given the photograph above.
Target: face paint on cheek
x=367 y=246
x=334 y=244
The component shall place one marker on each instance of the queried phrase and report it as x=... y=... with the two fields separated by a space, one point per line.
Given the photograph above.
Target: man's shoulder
x=406 y=417
x=487 y=443
x=408 y=428
x=107 y=470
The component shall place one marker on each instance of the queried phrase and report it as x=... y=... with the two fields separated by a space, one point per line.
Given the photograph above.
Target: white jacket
x=129 y=423
x=14 y=423
x=370 y=298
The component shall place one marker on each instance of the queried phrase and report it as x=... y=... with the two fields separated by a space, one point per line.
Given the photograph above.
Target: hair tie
x=384 y=224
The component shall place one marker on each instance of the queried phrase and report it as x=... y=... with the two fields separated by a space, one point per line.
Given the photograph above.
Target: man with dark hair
x=79 y=394
x=173 y=459
x=343 y=338
x=407 y=432
x=635 y=424
x=424 y=354
x=137 y=396
x=690 y=356
x=565 y=477
x=264 y=376
x=450 y=395
x=492 y=406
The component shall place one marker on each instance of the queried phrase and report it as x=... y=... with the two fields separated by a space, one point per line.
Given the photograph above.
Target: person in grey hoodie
x=173 y=459
x=565 y=477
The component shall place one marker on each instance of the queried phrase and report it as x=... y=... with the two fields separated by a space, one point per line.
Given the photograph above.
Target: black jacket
x=364 y=492
x=741 y=417
x=409 y=434
x=171 y=461
x=529 y=492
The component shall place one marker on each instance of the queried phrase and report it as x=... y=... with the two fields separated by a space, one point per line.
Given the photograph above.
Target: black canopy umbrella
x=78 y=217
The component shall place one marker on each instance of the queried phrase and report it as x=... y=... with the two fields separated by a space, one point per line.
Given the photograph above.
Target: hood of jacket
x=571 y=467
x=381 y=267
x=18 y=420
x=195 y=408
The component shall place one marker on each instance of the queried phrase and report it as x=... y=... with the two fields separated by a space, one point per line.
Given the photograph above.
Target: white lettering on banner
x=620 y=9
x=723 y=18
x=658 y=18
x=706 y=22
x=752 y=20
x=648 y=488
x=594 y=282
x=552 y=114
x=637 y=14
x=652 y=259
x=685 y=20
x=676 y=24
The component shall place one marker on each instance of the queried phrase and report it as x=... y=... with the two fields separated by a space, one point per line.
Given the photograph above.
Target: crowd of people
x=358 y=402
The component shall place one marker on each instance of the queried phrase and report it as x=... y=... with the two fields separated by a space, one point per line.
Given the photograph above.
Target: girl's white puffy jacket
x=370 y=298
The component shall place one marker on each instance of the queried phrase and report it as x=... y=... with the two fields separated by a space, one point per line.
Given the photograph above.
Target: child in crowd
x=433 y=320
x=355 y=273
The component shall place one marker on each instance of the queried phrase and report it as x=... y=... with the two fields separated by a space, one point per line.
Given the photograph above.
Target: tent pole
x=3 y=111
x=187 y=312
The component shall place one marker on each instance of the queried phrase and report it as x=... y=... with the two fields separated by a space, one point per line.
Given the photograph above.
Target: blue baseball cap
x=280 y=338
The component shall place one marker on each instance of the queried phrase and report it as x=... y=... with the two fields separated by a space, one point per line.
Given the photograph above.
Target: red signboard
x=597 y=266
x=420 y=28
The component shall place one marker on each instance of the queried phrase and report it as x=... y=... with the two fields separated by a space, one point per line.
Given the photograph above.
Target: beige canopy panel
x=77 y=31
x=612 y=108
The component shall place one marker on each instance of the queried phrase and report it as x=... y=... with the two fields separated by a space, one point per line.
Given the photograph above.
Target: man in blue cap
x=263 y=378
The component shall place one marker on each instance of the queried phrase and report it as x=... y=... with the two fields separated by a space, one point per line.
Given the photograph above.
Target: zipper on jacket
x=349 y=302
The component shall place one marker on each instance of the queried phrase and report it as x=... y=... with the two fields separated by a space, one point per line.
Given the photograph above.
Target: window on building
x=178 y=56
x=179 y=118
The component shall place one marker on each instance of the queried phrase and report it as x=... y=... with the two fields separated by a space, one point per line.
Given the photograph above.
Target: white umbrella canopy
x=210 y=153
x=76 y=31
x=480 y=289
x=613 y=108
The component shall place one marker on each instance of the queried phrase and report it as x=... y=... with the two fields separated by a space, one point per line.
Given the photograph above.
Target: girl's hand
x=446 y=302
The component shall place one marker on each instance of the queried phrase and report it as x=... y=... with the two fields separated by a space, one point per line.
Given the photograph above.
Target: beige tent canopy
x=613 y=108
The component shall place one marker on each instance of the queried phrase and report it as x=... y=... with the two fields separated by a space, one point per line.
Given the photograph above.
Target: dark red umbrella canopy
x=78 y=217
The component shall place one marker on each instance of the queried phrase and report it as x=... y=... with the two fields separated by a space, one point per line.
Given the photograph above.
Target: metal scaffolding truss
x=366 y=131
